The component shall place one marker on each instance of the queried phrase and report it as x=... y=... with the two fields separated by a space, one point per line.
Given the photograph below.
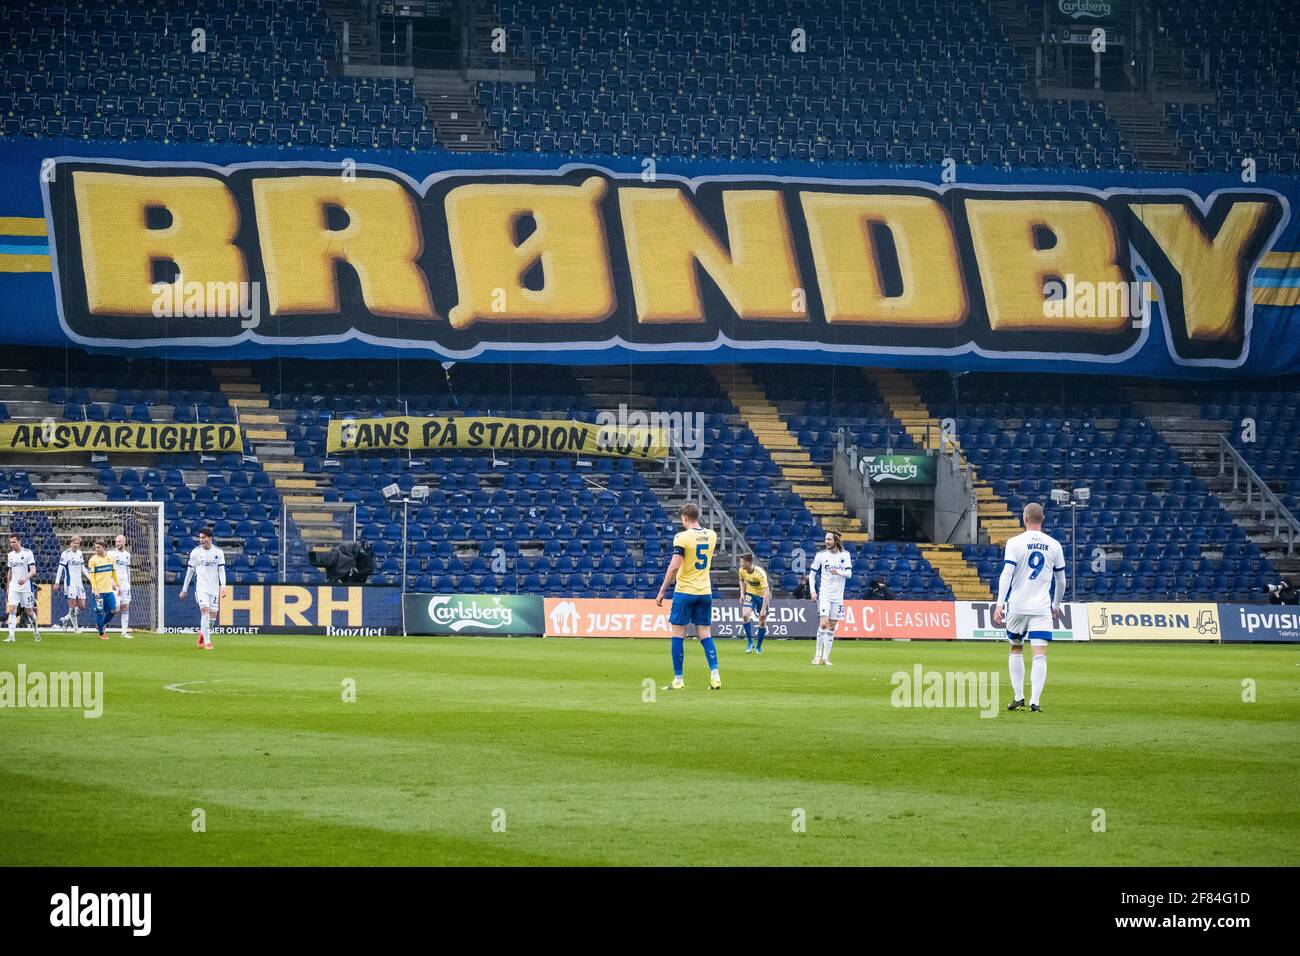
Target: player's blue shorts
x=755 y=602
x=106 y=603
x=694 y=609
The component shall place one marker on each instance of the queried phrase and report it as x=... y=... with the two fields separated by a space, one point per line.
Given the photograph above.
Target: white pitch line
x=177 y=686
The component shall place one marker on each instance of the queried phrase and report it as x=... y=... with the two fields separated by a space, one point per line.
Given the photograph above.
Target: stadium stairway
x=1021 y=32
x=23 y=393
x=996 y=522
x=962 y=578
x=1196 y=440
x=26 y=400
x=610 y=387
x=317 y=526
x=51 y=477
x=458 y=122
x=363 y=42
x=807 y=479
x=1141 y=122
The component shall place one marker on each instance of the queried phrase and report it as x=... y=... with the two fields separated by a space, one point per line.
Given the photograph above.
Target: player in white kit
x=1030 y=591
x=121 y=559
x=20 y=595
x=72 y=577
x=207 y=568
x=831 y=568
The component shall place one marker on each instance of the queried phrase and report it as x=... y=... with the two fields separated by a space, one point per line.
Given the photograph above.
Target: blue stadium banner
x=1260 y=623
x=337 y=611
x=217 y=252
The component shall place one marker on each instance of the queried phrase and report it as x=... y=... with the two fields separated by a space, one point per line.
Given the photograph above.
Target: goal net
x=46 y=527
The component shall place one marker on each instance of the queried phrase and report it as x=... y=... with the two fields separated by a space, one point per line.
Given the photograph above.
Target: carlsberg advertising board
x=474 y=614
x=897 y=469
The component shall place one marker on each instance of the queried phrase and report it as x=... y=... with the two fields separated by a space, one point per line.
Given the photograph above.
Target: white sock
x=1038 y=677
x=125 y=618
x=13 y=623
x=821 y=639
x=830 y=639
x=75 y=625
x=1016 y=664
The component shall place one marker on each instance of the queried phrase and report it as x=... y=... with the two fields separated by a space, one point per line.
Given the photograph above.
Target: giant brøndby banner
x=218 y=252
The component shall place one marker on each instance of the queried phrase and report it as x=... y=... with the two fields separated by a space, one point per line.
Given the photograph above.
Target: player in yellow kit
x=103 y=586
x=755 y=600
x=692 y=559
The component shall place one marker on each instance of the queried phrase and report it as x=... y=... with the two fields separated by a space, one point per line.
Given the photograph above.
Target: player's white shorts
x=21 y=597
x=75 y=592
x=1019 y=625
x=123 y=596
x=207 y=599
x=831 y=610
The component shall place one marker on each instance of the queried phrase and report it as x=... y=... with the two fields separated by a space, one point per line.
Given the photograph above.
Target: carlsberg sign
x=471 y=614
x=1078 y=9
x=897 y=469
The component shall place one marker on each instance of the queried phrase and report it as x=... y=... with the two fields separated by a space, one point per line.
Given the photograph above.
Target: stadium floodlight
x=1063 y=499
x=393 y=496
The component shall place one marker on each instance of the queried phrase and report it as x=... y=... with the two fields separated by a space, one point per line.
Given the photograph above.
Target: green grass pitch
x=551 y=741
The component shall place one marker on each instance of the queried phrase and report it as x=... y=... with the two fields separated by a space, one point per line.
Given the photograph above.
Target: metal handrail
x=712 y=513
x=1266 y=495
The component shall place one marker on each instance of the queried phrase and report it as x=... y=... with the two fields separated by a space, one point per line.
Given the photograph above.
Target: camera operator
x=1283 y=593
x=878 y=590
x=350 y=563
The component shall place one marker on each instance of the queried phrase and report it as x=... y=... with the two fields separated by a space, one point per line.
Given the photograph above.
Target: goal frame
x=160 y=527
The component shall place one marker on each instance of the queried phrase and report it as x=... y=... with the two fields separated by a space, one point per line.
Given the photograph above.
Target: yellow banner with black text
x=484 y=433
x=163 y=438
x=1088 y=273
